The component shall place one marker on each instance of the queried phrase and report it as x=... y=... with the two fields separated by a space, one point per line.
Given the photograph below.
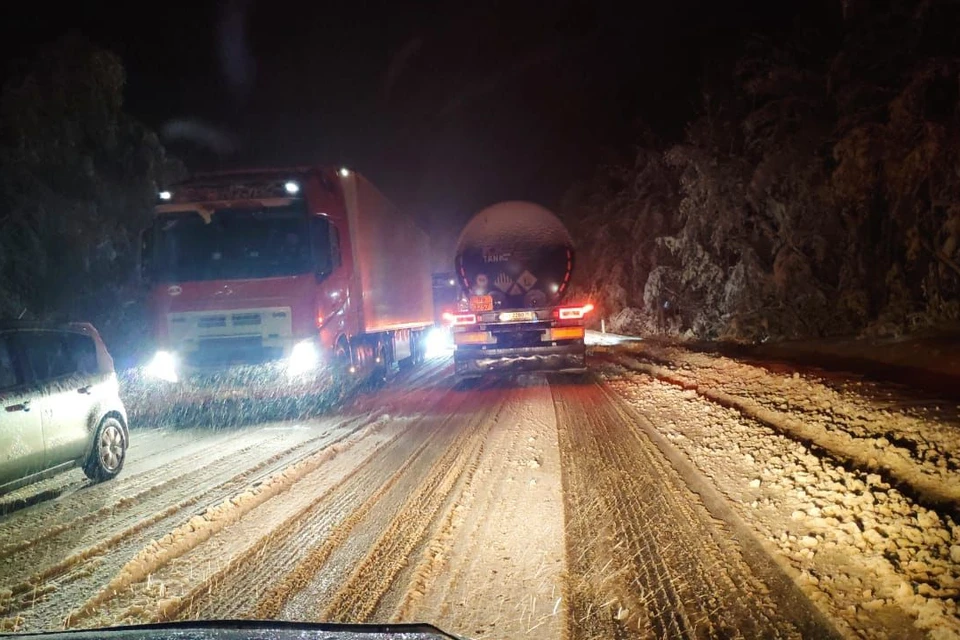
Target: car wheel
x=109 y=451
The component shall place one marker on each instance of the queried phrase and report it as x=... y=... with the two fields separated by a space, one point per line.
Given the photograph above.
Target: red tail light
x=574 y=313
x=460 y=318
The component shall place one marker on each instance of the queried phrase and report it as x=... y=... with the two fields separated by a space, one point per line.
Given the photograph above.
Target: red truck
x=310 y=267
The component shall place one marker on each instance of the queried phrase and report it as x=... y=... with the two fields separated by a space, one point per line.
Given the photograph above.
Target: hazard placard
x=527 y=280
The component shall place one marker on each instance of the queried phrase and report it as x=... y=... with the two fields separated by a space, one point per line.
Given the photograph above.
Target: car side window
x=83 y=351
x=8 y=372
x=48 y=355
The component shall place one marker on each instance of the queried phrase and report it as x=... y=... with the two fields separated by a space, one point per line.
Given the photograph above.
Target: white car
x=59 y=404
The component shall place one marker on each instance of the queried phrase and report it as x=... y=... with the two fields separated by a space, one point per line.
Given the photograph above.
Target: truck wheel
x=341 y=357
x=109 y=451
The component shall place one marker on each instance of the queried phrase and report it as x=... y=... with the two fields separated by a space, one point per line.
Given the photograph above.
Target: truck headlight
x=163 y=366
x=439 y=342
x=303 y=357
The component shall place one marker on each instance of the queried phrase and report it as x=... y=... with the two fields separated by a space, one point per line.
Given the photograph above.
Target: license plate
x=564 y=333
x=481 y=303
x=474 y=337
x=517 y=316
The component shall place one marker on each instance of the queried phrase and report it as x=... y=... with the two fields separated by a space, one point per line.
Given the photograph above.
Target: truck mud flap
x=477 y=362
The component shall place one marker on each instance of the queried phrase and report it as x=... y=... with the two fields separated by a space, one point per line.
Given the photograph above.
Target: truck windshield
x=235 y=244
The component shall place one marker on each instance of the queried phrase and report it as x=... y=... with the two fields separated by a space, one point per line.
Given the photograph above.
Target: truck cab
x=293 y=265
x=247 y=268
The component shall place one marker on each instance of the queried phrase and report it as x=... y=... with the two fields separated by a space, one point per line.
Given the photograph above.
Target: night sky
x=447 y=107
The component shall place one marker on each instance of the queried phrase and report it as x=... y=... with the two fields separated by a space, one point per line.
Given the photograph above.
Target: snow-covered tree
x=816 y=193
x=77 y=180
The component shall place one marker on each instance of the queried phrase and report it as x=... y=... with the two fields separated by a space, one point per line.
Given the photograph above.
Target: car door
x=332 y=292
x=56 y=364
x=21 y=430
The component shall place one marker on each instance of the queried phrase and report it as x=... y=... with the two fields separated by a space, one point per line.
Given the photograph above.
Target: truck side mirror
x=320 y=245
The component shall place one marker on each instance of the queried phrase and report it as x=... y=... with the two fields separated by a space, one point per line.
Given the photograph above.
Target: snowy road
x=668 y=494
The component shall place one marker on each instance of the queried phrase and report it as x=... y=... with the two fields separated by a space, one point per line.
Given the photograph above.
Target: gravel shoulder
x=879 y=557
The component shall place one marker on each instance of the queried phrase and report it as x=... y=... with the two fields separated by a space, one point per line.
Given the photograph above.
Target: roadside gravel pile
x=912 y=443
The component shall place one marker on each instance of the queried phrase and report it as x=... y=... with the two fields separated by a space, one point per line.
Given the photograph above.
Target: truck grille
x=215 y=352
x=209 y=322
x=224 y=337
x=245 y=319
x=236 y=320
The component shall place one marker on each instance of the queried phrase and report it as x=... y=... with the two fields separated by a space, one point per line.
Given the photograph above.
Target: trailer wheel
x=418 y=347
x=382 y=360
x=410 y=360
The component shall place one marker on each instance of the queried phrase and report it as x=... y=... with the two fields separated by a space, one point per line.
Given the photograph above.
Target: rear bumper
x=567 y=357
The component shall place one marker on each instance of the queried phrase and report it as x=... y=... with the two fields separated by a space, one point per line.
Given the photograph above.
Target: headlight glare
x=163 y=366
x=303 y=357
x=438 y=342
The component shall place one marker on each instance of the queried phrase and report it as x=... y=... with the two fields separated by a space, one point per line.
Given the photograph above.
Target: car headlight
x=303 y=357
x=163 y=366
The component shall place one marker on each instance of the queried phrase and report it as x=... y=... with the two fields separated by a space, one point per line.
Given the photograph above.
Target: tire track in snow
x=331 y=563
x=192 y=579
x=460 y=415
x=123 y=544
x=436 y=550
x=48 y=498
x=220 y=513
x=358 y=597
x=652 y=562
x=588 y=531
x=236 y=589
x=494 y=566
x=81 y=510
x=119 y=525
x=270 y=605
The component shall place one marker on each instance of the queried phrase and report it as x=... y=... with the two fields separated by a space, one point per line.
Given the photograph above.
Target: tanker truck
x=513 y=262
